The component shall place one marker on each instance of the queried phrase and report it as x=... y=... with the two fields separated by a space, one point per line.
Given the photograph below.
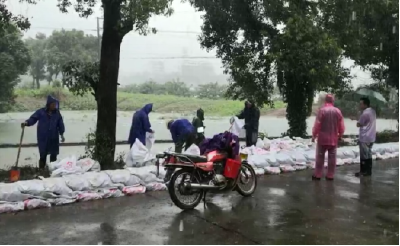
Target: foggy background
x=173 y=53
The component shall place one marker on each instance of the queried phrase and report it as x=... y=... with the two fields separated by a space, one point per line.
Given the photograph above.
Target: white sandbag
x=34 y=187
x=99 y=180
x=57 y=186
x=355 y=161
x=258 y=160
x=77 y=182
x=146 y=174
x=67 y=166
x=272 y=161
x=192 y=150
x=272 y=170
x=131 y=190
x=287 y=168
x=54 y=165
x=298 y=157
x=139 y=155
x=310 y=155
x=36 y=203
x=260 y=143
x=395 y=154
x=110 y=193
x=89 y=196
x=11 y=193
x=88 y=164
x=300 y=167
x=120 y=176
x=237 y=127
x=150 y=139
x=284 y=158
x=11 y=207
x=311 y=165
x=339 y=162
x=259 y=171
x=61 y=201
x=155 y=186
x=123 y=176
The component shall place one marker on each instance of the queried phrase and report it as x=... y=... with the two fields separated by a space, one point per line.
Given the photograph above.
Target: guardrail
x=161 y=141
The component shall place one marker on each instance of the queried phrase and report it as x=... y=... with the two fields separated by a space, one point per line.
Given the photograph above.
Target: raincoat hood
x=200 y=114
x=50 y=100
x=148 y=108
x=329 y=100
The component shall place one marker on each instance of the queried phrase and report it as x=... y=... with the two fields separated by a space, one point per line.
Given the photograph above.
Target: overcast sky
x=46 y=17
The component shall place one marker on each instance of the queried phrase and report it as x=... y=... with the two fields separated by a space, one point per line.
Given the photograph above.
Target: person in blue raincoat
x=183 y=133
x=140 y=125
x=50 y=128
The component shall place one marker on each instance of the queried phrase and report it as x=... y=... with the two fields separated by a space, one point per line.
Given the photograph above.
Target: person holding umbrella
x=367 y=136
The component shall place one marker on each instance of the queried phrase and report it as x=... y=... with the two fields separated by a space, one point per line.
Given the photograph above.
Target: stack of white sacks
x=75 y=180
x=288 y=155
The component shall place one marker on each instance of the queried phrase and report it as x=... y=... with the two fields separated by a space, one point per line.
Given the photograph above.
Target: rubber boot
x=368 y=171
x=42 y=164
x=363 y=165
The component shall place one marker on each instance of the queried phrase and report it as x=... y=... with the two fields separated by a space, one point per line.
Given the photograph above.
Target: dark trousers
x=251 y=137
x=186 y=140
x=366 y=158
x=42 y=160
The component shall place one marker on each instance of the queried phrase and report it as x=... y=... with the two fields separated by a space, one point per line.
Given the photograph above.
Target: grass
x=29 y=100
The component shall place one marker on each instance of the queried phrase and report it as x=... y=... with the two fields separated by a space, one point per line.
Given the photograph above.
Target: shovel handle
x=20 y=145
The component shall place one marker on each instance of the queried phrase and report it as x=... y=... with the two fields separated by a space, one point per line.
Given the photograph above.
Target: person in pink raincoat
x=328 y=129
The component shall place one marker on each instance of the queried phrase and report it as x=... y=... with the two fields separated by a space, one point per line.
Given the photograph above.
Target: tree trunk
x=107 y=87
x=37 y=83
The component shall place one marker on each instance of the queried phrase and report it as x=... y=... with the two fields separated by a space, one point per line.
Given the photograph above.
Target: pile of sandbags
x=288 y=155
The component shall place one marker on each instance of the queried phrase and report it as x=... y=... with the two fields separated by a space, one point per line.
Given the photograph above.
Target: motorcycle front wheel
x=247 y=180
x=184 y=198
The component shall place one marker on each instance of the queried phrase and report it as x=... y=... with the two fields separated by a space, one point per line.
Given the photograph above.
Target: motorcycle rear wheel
x=174 y=190
x=251 y=180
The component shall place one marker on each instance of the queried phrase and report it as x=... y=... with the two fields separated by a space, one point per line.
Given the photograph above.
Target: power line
x=170 y=58
x=95 y=30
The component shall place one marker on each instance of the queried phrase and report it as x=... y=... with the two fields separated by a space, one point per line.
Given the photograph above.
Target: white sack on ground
x=192 y=150
x=131 y=190
x=146 y=174
x=57 y=186
x=155 y=186
x=61 y=201
x=237 y=127
x=77 y=182
x=123 y=176
x=11 y=207
x=110 y=193
x=67 y=166
x=99 y=180
x=36 y=203
x=11 y=193
x=272 y=170
x=139 y=155
x=33 y=187
x=87 y=164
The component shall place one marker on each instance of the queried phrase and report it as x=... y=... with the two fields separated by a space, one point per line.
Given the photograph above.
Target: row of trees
x=177 y=88
x=298 y=43
x=50 y=54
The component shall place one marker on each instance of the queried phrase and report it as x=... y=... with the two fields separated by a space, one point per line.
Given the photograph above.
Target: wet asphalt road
x=286 y=209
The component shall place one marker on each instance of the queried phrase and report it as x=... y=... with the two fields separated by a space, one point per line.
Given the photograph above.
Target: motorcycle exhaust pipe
x=203 y=186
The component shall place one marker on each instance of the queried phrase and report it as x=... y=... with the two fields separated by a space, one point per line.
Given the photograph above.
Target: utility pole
x=98 y=36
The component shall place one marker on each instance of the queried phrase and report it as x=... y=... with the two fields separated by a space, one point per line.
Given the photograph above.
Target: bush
x=387 y=136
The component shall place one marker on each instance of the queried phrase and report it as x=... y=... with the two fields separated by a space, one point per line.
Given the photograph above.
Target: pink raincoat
x=329 y=124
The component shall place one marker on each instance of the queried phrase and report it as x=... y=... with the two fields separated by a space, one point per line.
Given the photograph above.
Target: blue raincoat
x=140 y=124
x=49 y=129
x=180 y=128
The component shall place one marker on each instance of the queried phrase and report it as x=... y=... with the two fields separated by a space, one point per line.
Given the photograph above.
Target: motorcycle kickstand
x=204 y=198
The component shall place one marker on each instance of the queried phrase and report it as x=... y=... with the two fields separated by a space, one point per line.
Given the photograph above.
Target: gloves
x=23 y=124
x=62 y=139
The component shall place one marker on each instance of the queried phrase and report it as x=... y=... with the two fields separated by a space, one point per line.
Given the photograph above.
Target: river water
x=80 y=123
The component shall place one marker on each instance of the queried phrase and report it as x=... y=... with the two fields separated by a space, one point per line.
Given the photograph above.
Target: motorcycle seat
x=194 y=158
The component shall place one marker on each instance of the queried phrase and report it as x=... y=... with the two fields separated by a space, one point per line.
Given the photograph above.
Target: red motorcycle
x=192 y=176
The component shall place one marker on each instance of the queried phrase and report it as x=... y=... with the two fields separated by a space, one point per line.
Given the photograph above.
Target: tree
x=368 y=34
x=14 y=61
x=211 y=91
x=120 y=17
x=37 y=52
x=7 y=18
x=177 y=88
x=283 y=41
x=64 y=46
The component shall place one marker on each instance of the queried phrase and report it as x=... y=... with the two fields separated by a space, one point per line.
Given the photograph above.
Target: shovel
x=14 y=172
